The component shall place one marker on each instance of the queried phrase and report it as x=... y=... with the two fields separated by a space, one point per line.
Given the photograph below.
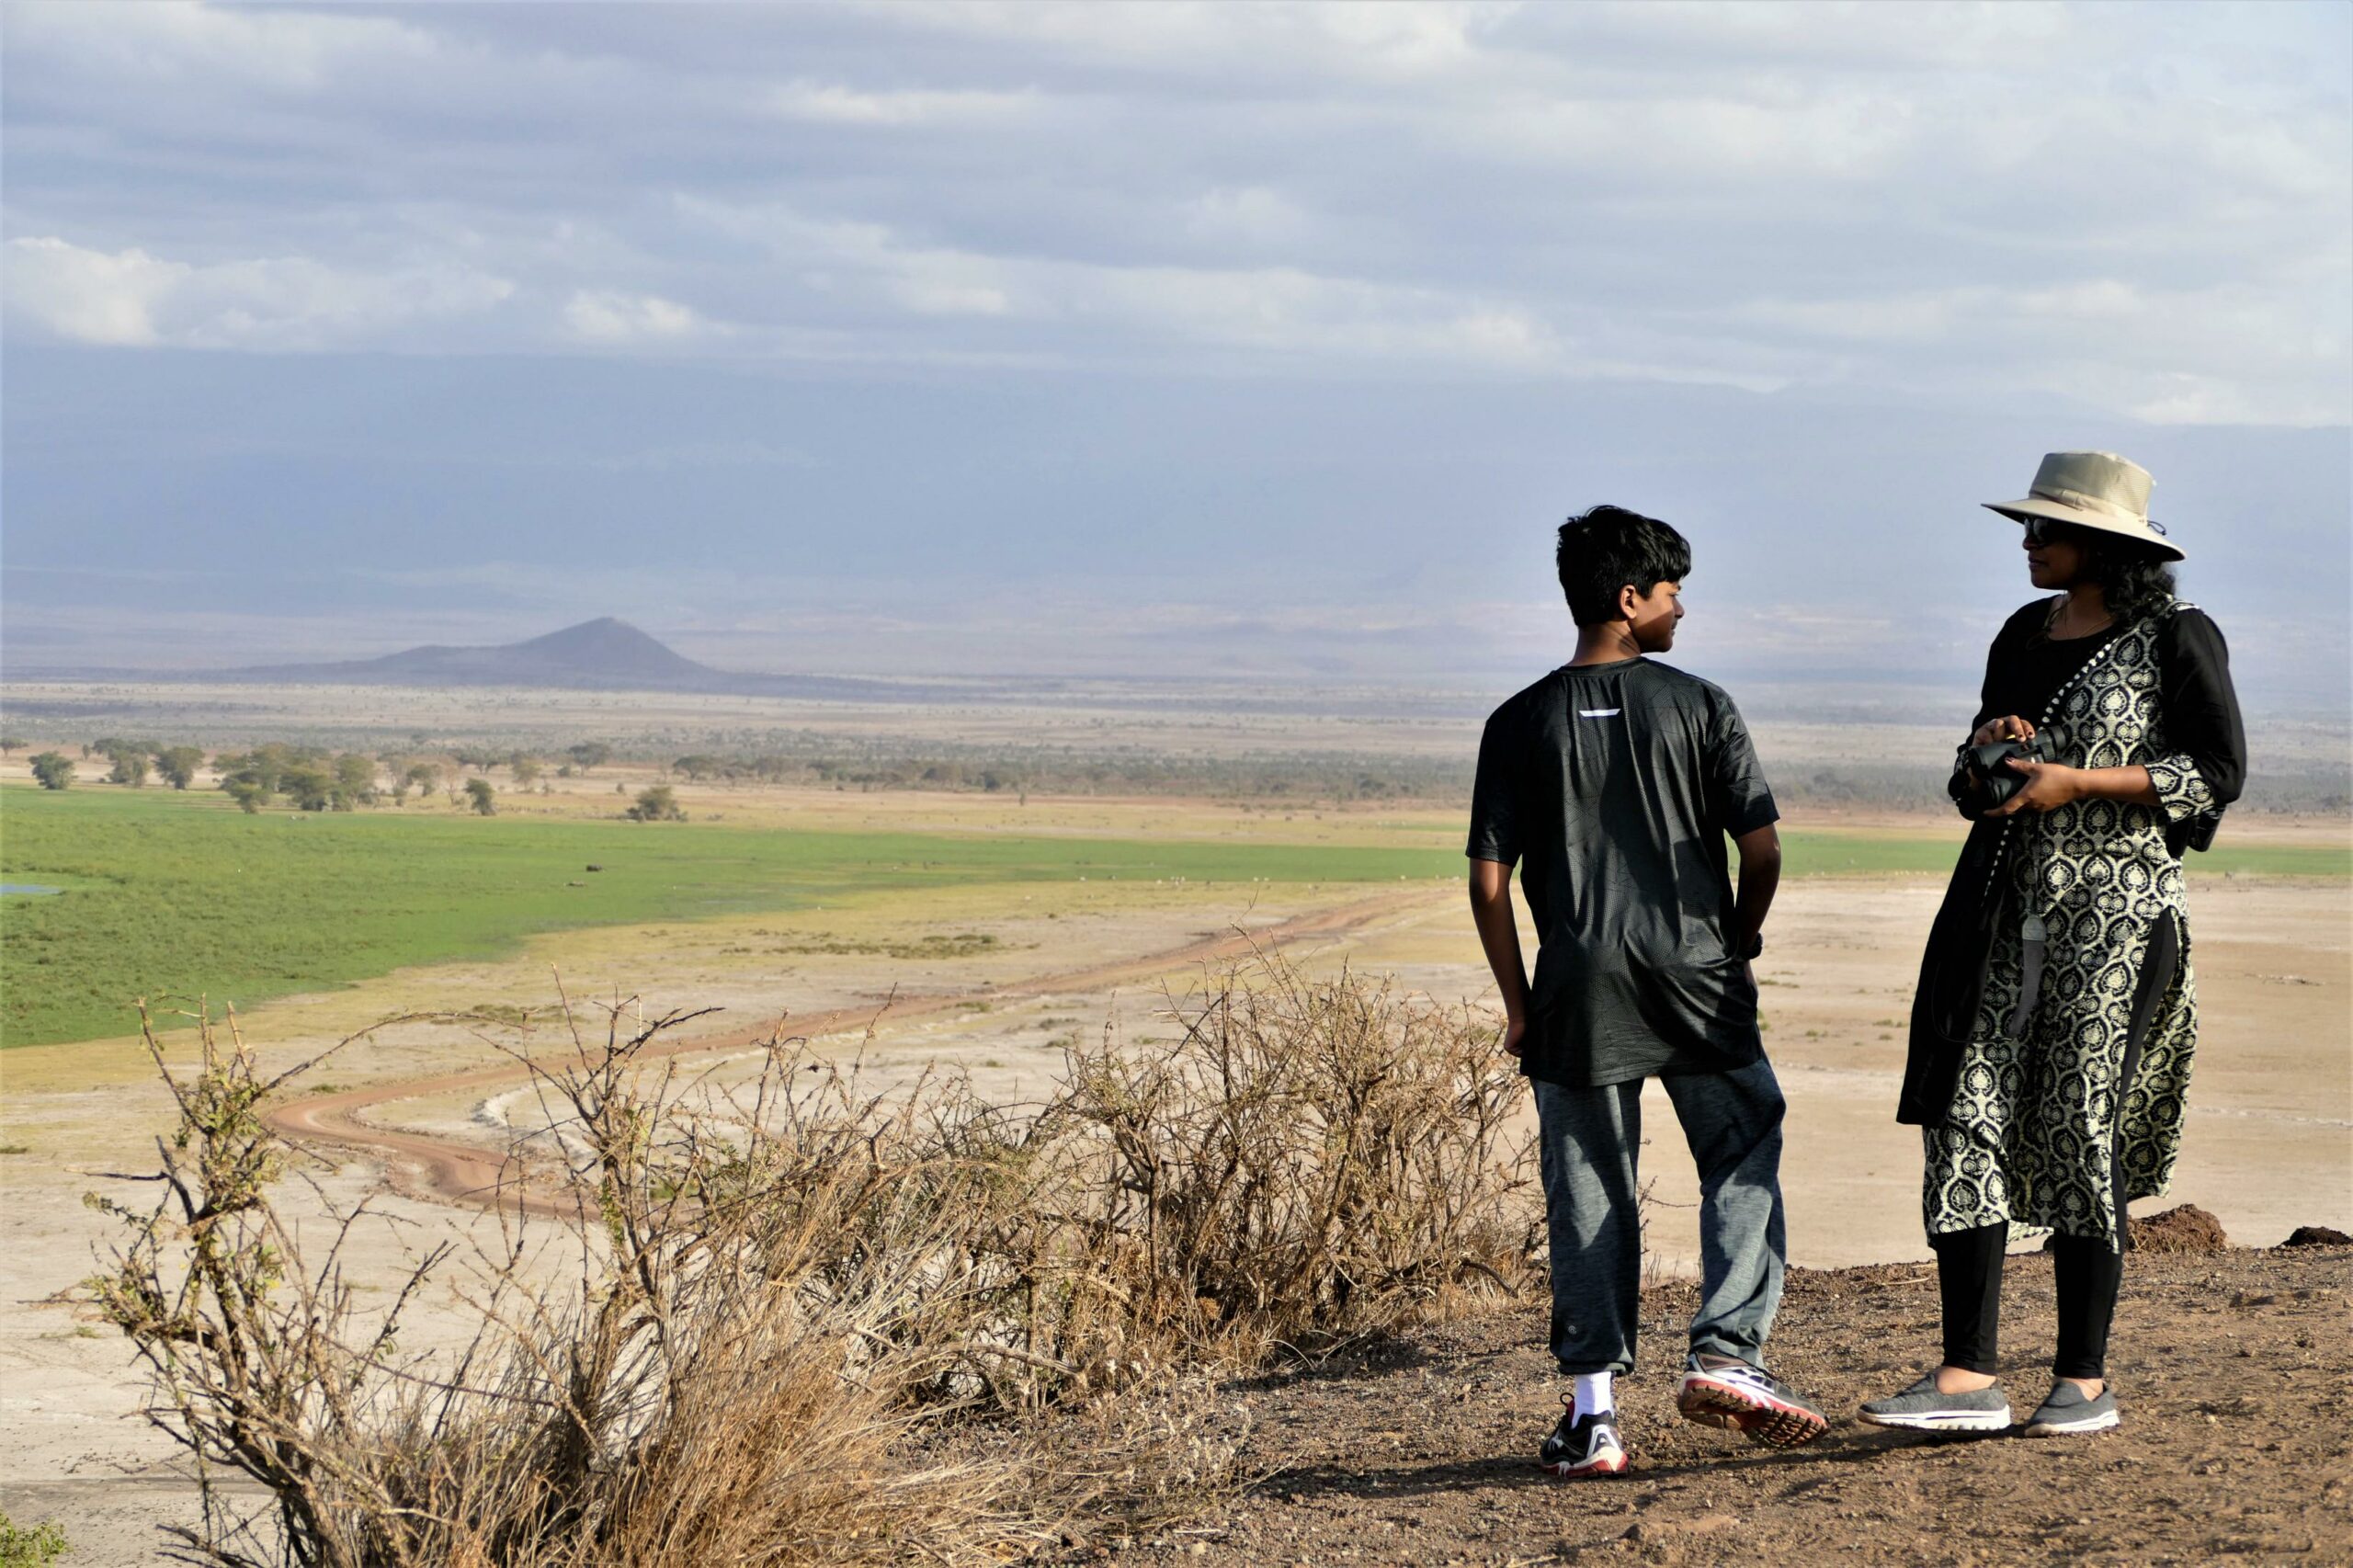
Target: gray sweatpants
x=1589 y=1137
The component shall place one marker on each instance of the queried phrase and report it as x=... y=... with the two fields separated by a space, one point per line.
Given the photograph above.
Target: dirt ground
x=2232 y=1371
x=1441 y=1422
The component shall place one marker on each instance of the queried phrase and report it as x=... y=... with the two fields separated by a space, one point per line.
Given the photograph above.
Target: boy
x=1613 y=782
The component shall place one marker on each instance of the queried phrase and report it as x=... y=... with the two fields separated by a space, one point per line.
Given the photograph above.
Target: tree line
x=307 y=777
x=323 y=780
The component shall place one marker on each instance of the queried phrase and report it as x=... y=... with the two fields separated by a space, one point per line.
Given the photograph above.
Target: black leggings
x=1969 y=1274
x=2089 y=1269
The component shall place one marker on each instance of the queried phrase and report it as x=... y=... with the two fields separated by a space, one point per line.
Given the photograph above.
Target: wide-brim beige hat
x=2094 y=489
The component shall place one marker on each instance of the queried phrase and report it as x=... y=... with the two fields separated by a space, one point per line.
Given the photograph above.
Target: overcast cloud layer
x=1206 y=337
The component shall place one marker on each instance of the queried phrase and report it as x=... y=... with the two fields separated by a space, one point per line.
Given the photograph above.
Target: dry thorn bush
x=816 y=1321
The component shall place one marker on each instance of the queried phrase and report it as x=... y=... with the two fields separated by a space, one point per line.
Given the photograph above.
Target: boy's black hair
x=1609 y=548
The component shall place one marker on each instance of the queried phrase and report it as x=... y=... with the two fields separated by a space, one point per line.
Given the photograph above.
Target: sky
x=1190 y=340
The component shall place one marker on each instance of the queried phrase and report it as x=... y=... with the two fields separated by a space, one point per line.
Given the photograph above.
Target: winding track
x=459 y=1173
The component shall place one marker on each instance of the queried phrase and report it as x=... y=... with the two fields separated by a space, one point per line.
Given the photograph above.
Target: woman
x=2056 y=1014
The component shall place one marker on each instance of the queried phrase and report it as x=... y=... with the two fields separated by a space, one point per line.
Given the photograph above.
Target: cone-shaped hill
x=604 y=653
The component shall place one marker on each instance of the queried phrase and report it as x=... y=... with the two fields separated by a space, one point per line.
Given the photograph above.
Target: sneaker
x=1921 y=1408
x=2067 y=1409
x=1583 y=1445
x=1750 y=1401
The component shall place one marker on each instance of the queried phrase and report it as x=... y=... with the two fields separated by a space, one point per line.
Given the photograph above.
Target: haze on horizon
x=1259 y=343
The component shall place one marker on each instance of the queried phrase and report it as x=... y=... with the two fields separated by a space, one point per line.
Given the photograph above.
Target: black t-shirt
x=1613 y=787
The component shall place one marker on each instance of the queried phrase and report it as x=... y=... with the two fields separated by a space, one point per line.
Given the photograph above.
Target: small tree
x=129 y=767
x=178 y=765
x=525 y=769
x=265 y=766
x=354 y=780
x=479 y=790
x=588 y=754
x=12 y=744
x=54 y=770
x=248 y=796
x=311 y=789
x=425 y=776
x=659 y=803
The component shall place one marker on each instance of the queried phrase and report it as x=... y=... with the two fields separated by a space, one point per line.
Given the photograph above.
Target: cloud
x=1932 y=201
x=688 y=456
x=829 y=103
x=130 y=299
x=2103 y=341
x=609 y=318
x=280 y=49
x=1281 y=311
x=1250 y=215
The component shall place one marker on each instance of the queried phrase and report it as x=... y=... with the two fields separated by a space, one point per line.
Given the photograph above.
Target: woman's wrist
x=2127 y=783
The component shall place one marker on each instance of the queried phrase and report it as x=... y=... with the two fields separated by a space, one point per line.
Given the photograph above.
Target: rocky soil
x=2232 y=1368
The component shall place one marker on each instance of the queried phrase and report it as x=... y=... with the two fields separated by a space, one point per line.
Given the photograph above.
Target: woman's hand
x=2011 y=728
x=2049 y=786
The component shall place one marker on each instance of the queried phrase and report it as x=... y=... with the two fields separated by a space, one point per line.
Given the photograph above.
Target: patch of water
x=27 y=890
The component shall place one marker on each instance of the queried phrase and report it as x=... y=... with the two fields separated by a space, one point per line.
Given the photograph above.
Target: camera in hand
x=1991 y=781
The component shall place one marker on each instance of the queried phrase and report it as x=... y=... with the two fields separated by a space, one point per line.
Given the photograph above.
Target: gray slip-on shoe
x=1921 y=1408
x=2068 y=1410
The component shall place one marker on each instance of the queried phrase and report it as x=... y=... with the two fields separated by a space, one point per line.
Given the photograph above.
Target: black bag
x=1952 y=979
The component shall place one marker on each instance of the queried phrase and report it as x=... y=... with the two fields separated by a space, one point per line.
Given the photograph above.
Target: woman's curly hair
x=2133 y=580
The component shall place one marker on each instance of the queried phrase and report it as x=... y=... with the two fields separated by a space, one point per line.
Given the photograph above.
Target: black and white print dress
x=2040 y=1129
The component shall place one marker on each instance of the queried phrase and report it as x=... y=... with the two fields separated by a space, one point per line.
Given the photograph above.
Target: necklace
x=2059 y=607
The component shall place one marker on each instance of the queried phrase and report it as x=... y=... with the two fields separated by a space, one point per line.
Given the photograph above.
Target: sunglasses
x=2043 y=530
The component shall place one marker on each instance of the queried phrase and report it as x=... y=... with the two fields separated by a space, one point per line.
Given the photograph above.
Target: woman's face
x=2056 y=554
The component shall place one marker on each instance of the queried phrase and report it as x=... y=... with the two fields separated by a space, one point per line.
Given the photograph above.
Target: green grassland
x=185 y=894
x=180 y=895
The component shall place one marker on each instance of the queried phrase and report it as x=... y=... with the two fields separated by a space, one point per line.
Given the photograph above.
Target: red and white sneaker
x=1748 y=1400
x=1584 y=1446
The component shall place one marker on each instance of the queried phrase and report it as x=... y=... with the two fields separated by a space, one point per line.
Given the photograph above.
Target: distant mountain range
x=605 y=654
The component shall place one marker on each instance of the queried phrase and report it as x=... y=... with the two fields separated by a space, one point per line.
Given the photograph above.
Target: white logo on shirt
x=1597 y=712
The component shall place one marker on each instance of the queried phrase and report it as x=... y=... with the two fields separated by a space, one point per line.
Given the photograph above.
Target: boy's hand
x=1515 y=1039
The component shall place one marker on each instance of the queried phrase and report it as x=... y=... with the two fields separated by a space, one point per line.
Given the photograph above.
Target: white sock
x=1593 y=1396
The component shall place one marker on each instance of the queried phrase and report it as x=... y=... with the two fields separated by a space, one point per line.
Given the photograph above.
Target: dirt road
x=455 y=1172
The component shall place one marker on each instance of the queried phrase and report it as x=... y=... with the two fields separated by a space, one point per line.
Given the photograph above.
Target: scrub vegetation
x=33 y=1546
x=817 y=1323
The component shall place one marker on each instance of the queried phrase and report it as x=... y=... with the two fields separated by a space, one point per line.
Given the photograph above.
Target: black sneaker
x=1750 y=1401
x=1584 y=1446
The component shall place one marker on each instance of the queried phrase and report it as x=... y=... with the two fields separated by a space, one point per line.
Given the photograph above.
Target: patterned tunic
x=2039 y=1125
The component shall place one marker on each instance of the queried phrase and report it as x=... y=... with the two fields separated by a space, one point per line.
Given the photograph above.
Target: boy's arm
x=1761 y=875
x=1491 y=911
